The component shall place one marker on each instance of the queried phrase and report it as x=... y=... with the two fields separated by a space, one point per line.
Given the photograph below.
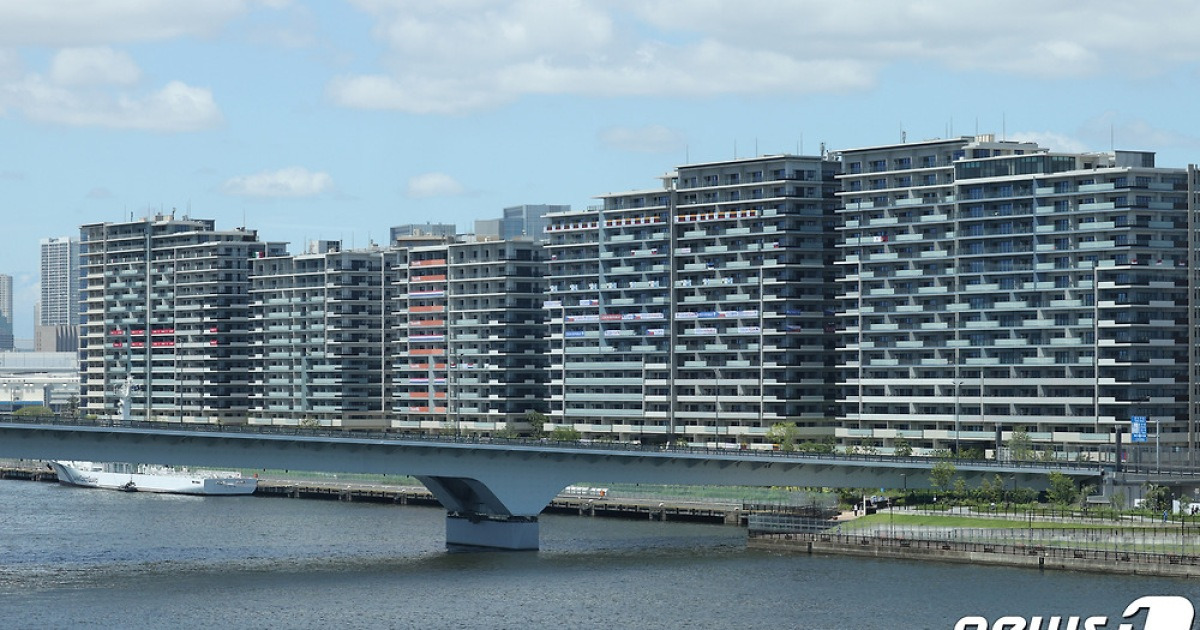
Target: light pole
x=956 y=414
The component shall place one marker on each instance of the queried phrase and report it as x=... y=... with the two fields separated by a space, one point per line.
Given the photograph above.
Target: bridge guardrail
x=377 y=434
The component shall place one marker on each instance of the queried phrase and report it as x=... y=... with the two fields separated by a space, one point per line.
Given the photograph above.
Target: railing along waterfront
x=543 y=442
x=1165 y=544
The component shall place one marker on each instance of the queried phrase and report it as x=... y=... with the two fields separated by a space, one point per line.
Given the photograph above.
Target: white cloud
x=294 y=181
x=463 y=55
x=1051 y=140
x=93 y=66
x=428 y=185
x=649 y=139
x=88 y=23
x=176 y=107
x=1134 y=134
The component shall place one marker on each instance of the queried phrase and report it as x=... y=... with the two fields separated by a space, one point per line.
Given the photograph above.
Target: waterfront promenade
x=1129 y=545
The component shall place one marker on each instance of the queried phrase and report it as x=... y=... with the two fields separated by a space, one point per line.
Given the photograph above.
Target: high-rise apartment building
x=990 y=287
x=698 y=311
x=60 y=282
x=6 y=312
x=470 y=353
x=57 y=328
x=319 y=337
x=165 y=314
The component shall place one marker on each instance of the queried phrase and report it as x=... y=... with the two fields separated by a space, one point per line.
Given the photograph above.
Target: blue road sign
x=1138 y=427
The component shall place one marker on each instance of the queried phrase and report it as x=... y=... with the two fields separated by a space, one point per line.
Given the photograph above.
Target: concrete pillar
x=499 y=513
x=514 y=533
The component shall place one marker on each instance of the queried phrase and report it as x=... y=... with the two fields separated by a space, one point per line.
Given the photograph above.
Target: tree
x=34 y=411
x=826 y=445
x=1157 y=498
x=1062 y=489
x=960 y=488
x=1118 y=499
x=991 y=490
x=783 y=435
x=941 y=476
x=537 y=422
x=1020 y=446
x=565 y=434
x=901 y=448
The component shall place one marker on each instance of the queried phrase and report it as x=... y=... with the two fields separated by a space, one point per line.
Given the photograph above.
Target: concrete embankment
x=607 y=506
x=1034 y=557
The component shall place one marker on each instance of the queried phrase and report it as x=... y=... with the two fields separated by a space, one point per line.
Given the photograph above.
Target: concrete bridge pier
x=498 y=514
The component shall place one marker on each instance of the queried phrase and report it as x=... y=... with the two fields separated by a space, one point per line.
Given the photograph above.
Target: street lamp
x=956 y=414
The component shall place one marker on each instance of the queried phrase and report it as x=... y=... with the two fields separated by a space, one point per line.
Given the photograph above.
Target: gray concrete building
x=166 y=306
x=319 y=338
x=699 y=311
x=470 y=352
x=6 y=312
x=524 y=221
x=991 y=287
x=409 y=230
x=57 y=326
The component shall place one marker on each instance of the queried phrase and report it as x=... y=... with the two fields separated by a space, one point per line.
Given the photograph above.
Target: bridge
x=493 y=489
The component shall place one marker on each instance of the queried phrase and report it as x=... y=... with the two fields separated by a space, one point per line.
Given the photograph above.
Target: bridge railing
x=398 y=435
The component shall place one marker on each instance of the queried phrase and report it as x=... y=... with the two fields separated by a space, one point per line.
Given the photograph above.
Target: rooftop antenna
x=903 y=136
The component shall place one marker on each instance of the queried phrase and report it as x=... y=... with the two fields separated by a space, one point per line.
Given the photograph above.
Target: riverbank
x=581 y=501
x=979 y=553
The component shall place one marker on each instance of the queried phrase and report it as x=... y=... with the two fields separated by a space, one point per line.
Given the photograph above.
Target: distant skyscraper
x=528 y=221
x=6 y=312
x=60 y=281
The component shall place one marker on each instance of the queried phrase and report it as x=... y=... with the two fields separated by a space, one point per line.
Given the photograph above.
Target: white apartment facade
x=319 y=337
x=698 y=311
x=990 y=287
x=166 y=309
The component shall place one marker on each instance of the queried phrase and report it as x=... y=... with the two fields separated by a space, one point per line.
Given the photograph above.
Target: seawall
x=1031 y=557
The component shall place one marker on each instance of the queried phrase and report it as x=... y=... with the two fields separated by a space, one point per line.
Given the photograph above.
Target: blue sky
x=338 y=119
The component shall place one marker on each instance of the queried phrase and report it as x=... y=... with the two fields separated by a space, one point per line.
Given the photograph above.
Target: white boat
x=145 y=478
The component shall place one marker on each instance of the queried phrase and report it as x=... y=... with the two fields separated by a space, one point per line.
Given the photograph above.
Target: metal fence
x=1162 y=556
x=1182 y=540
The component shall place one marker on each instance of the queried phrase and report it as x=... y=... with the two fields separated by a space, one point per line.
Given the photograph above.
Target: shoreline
x=727 y=513
x=980 y=554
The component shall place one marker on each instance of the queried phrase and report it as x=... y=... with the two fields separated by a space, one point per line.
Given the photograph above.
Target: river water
x=72 y=557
